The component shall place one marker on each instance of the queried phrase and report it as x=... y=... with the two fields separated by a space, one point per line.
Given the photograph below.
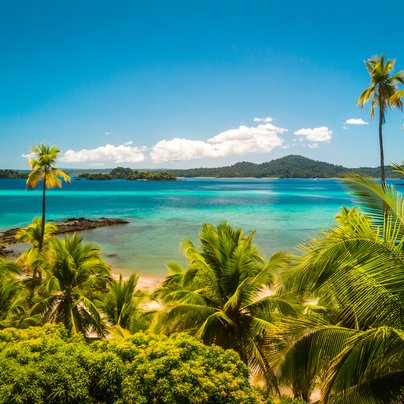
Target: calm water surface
x=283 y=212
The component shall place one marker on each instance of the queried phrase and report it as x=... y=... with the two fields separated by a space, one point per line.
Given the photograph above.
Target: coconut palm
x=121 y=303
x=74 y=273
x=383 y=92
x=42 y=165
x=10 y=288
x=32 y=235
x=351 y=334
x=223 y=296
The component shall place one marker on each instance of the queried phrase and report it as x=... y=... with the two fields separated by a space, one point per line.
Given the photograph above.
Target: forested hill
x=291 y=166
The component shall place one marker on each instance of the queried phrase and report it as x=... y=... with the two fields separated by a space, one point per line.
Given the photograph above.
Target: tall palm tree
x=222 y=296
x=42 y=165
x=351 y=280
x=383 y=91
x=75 y=273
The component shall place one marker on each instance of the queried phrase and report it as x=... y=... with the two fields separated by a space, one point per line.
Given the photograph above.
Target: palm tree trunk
x=37 y=273
x=382 y=174
x=43 y=213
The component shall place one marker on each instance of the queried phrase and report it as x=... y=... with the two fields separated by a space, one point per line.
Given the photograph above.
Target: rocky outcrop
x=69 y=225
x=78 y=224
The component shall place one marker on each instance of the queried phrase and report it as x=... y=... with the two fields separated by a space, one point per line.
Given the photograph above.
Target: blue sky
x=179 y=83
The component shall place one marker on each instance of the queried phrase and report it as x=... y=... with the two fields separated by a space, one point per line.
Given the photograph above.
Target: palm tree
x=121 y=303
x=43 y=170
x=222 y=296
x=32 y=235
x=10 y=288
x=383 y=90
x=351 y=280
x=74 y=274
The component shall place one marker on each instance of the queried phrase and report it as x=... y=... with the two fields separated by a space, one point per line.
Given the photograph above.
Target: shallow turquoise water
x=283 y=212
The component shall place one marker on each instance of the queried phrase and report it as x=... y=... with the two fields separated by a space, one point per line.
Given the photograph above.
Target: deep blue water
x=284 y=212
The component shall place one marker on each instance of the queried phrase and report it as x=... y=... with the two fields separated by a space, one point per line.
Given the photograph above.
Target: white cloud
x=124 y=153
x=355 y=121
x=259 y=139
x=28 y=156
x=321 y=134
x=313 y=145
x=267 y=119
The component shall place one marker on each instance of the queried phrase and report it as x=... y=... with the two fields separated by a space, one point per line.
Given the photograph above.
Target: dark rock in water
x=112 y=255
x=8 y=236
x=6 y=252
x=69 y=225
x=81 y=223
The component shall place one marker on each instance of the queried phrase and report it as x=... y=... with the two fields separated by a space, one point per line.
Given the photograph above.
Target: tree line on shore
x=292 y=166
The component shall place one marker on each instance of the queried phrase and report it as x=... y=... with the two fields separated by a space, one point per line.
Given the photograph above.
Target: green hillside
x=291 y=166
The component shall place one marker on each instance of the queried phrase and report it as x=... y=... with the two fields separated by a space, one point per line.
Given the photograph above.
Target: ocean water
x=283 y=212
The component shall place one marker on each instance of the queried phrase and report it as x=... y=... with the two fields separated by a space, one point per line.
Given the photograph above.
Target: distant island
x=292 y=166
x=13 y=174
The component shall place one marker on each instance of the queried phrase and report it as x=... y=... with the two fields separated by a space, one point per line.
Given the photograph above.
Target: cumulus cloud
x=355 y=121
x=124 y=153
x=259 y=139
x=313 y=145
x=321 y=134
x=267 y=119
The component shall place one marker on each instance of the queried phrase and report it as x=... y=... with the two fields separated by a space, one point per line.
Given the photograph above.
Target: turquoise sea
x=283 y=212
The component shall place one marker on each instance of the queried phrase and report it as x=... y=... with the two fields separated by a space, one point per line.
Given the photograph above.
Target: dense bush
x=44 y=365
x=180 y=369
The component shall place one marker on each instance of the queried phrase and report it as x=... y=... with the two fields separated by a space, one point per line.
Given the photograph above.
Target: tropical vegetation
x=383 y=93
x=45 y=365
x=328 y=322
x=42 y=166
x=223 y=295
x=122 y=173
x=351 y=283
x=292 y=166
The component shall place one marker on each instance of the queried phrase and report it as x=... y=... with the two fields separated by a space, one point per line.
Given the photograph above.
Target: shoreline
x=147 y=282
x=69 y=225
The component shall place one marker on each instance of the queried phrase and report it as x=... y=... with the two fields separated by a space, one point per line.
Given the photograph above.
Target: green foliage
x=95 y=176
x=222 y=295
x=351 y=333
x=121 y=304
x=75 y=272
x=384 y=93
x=32 y=235
x=383 y=90
x=121 y=173
x=12 y=174
x=42 y=167
x=44 y=365
x=291 y=166
x=11 y=291
x=183 y=370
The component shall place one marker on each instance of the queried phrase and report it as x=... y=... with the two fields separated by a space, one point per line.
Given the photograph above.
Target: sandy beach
x=146 y=282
